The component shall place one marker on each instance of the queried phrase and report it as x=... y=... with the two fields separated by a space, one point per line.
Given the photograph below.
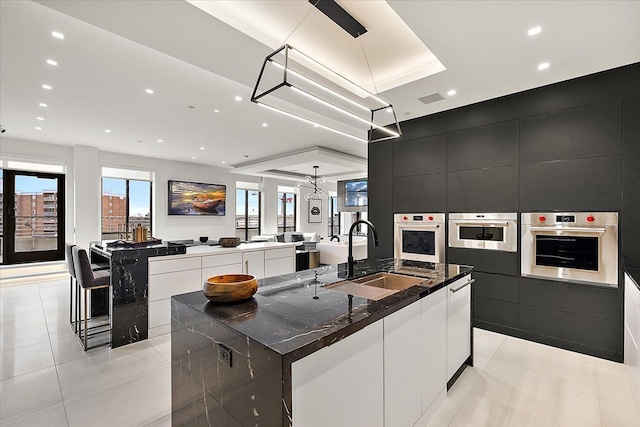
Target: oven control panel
x=577 y=219
x=412 y=218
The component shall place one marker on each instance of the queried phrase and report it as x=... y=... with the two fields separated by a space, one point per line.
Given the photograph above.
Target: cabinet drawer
x=163 y=286
x=221 y=269
x=226 y=259
x=278 y=266
x=170 y=265
x=278 y=253
x=159 y=312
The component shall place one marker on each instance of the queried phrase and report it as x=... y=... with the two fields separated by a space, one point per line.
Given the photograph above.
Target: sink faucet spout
x=350 y=261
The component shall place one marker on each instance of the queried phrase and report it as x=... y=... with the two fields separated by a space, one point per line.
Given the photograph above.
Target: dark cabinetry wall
x=570 y=146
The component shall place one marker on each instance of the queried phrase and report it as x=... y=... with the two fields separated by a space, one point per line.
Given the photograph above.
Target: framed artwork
x=194 y=198
x=315 y=210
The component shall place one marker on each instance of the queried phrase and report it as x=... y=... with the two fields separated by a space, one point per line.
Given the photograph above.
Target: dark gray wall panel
x=573 y=298
x=494 y=311
x=483 y=190
x=483 y=147
x=486 y=261
x=586 y=330
x=496 y=286
x=630 y=227
x=421 y=193
x=420 y=156
x=586 y=184
x=380 y=193
x=587 y=131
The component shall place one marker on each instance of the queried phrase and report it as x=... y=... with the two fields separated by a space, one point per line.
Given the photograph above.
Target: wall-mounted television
x=352 y=195
x=196 y=198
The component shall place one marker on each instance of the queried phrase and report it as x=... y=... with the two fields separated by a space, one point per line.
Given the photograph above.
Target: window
x=248 y=214
x=131 y=208
x=334 y=217
x=287 y=204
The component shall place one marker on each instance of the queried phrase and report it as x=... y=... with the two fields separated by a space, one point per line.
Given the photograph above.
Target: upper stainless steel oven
x=419 y=237
x=575 y=246
x=495 y=231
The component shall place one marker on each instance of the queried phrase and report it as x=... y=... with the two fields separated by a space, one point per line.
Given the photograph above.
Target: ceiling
x=113 y=51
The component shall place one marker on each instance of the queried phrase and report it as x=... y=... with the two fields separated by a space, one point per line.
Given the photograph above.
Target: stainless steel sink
x=375 y=286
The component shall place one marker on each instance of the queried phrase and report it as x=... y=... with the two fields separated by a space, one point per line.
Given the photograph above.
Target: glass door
x=32 y=217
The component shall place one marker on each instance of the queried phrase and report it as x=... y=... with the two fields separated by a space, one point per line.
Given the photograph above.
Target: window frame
x=246 y=227
x=127 y=205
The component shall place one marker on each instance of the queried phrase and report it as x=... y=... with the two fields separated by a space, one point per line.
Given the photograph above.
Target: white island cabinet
x=179 y=274
x=458 y=324
x=632 y=333
x=391 y=373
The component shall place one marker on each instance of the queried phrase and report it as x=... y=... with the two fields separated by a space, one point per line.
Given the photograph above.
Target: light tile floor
x=48 y=380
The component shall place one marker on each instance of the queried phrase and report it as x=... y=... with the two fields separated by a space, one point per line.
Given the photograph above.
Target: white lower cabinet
x=433 y=366
x=341 y=385
x=253 y=263
x=632 y=334
x=458 y=324
x=402 y=362
x=279 y=261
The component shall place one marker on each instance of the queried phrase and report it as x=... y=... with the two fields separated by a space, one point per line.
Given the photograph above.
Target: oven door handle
x=482 y=223
x=593 y=230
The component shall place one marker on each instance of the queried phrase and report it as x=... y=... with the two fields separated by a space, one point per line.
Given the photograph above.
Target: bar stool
x=88 y=279
x=68 y=251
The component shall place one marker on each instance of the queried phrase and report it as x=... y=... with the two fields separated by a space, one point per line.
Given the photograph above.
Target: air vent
x=431 y=98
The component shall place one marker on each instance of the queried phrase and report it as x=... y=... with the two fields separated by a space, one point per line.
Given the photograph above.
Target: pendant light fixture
x=312 y=183
x=296 y=85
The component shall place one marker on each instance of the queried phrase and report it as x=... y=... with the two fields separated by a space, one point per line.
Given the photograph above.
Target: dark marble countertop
x=295 y=315
x=634 y=273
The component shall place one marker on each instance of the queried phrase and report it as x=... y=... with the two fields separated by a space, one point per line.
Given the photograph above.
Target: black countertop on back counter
x=294 y=315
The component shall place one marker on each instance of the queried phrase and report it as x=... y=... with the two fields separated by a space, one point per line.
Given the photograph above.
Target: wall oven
x=419 y=237
x=573 y=246
x=495 y=231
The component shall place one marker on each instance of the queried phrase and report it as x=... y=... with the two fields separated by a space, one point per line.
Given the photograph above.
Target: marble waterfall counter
x=232 y=364
x=130 y=278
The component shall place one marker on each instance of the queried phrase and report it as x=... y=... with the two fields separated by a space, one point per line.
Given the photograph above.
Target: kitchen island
x=300 y=353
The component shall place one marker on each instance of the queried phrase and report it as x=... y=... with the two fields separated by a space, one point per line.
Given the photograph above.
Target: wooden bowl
x=230 y=287
x=229 y=242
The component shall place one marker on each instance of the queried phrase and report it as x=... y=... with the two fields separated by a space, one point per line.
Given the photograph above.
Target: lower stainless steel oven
x=419 y=237
x=495 y=231
x=573 y=246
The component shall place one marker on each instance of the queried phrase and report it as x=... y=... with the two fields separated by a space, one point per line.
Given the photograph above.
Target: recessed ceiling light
x=40 y=118
x=535 y=30
x=160 y=140
x=216 y=111
x=107 y=130
x=149 y=91
x=52 y=62
x=47 y=87
x=238 y=98
x=224 y=162
x=202 y=148
x=57 y=35
x=38 y=128
x=264 y=125
x=315 y=125
x=193 y=157
x=43 y=105
x=543 y=66
x=451 y=92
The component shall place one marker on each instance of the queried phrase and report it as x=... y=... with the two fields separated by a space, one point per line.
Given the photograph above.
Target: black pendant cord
x=313 y=6
x=364 y=52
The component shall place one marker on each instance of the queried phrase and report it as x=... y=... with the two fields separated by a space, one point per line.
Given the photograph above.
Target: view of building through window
x=126 y=203
x=286 y=211
x=334 y=217
x=247 y=214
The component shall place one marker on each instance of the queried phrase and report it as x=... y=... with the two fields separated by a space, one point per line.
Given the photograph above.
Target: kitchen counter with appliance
x=236 y=361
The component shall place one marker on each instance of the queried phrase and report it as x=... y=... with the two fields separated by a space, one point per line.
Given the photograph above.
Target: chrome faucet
x=350 y=261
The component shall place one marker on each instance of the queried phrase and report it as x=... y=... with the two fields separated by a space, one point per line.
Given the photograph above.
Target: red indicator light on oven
x=430 y=218
x=405 y=218
x=542 y=218
x=591 y=218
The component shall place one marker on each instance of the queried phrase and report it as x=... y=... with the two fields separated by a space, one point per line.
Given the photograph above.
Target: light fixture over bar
x=298 y=86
